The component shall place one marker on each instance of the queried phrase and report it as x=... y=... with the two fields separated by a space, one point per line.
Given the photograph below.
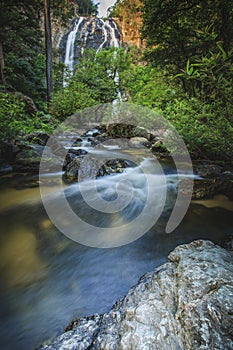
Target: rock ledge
x=185 y=304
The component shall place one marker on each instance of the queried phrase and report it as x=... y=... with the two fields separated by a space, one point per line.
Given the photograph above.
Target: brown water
x=47 y=279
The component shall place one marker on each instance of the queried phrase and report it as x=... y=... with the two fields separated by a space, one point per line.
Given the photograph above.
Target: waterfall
x=70 y=45
x=93 y=33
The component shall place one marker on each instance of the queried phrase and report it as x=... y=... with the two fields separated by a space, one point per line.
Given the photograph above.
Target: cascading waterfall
x=93 y=33
x=70 y=46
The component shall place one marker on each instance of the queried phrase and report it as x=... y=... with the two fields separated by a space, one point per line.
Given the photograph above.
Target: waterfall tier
x=92 y=33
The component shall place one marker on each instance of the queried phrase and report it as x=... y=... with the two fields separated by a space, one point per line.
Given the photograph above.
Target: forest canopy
x=184 y=69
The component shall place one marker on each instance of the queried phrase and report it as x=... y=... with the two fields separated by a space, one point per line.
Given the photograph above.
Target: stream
x=47 y=279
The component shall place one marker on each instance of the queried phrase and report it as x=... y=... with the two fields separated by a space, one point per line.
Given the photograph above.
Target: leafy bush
x=93 y=82
x=15 y=121
x=206 y=132
x=147 y=86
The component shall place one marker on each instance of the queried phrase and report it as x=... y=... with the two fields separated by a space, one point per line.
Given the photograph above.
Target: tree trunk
x=2 y=65
x=48 y=44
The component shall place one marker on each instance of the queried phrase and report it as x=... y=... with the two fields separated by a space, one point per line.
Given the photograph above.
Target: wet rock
x=28 y=158
x=185 y=304
x=159 y=148
x=80 y=169
x=208 y=171
x=138 y=142
x=29 y=103
x=7 y=154
x=228 y=243
x=88 y=168
x=127 y=131
x=78 y=152
x=72 y=169
x=113 y=166
x=214 y=180
x=201 y=188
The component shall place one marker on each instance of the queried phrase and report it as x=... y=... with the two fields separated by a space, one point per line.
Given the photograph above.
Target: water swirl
x=125 y=206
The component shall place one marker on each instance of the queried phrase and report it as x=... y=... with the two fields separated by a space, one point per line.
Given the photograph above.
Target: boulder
x=29 y=156
x=37 y=137
x=185 y=304
x=123 y=130
x=138 y=142
x=214 y=180
x=87 y=168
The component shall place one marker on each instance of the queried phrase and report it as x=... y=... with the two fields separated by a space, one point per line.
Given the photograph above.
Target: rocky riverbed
x=25 y=156
x=185 y=304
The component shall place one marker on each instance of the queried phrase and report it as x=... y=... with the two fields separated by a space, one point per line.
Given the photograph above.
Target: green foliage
x=92 y=84
x=210 y=77
x=20 y=38
x=15 y=121
x=76 y=96
x=206 y=128
x=206 y=132
x=147 y=86
x=178 y=30
x=26 y=75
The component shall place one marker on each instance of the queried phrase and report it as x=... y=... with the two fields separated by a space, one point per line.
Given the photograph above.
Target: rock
x=159 y=148
x=208 y=171
x=114 y=166
x=37 y=137
x=7 y=154
x=214 y=181
x=29 y=103
x=87 y=168
x=201 y=188
x=127 y=131
x=185 y=304
x=138 y=142
x=72 y=169
x=29 y=156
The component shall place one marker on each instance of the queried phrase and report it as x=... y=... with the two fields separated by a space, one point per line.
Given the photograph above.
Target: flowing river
x=47 y=279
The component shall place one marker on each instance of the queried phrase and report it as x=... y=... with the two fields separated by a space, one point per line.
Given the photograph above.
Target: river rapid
x=47 y=279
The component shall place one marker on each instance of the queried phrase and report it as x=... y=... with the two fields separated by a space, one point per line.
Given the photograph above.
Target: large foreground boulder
x=186 y=304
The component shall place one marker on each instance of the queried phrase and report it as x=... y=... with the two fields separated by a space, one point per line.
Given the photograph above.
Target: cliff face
x=128 y=16
x=186 y=304
x=130 y=31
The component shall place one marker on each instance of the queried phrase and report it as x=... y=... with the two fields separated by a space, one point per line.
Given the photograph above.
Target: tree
x=48 y=49
x=93 y=82
x=20 y=44
x=178 y=29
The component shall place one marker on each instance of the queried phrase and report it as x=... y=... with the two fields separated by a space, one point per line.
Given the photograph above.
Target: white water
x=47 y=280
x=70 y=45
x=86 y=29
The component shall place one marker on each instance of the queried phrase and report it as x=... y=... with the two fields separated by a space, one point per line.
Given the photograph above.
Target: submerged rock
x=185 y=304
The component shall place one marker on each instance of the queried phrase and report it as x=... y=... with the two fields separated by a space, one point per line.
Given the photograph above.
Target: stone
x=80 y=168
x=185 y=304
x=159 y=148
x=29 y=156
x=124 y=130
x=208 y=171
x=138 y=142
x=37 y=137
x=29 y=103
x=72 y=169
